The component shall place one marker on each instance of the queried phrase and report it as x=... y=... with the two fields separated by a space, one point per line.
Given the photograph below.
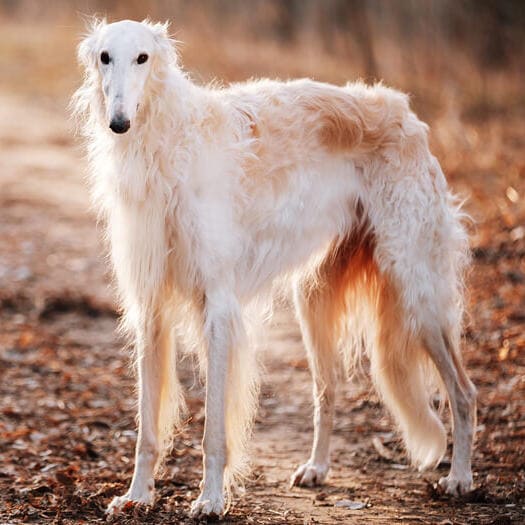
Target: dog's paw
x=309 y=475
x=127 y=500
x=456 y=485
x=207 y=506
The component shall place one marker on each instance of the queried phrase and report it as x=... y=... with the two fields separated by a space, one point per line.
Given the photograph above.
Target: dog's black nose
x=119 y=125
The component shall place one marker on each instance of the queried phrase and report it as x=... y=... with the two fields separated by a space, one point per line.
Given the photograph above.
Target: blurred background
x=470 y=50
x=67 y=409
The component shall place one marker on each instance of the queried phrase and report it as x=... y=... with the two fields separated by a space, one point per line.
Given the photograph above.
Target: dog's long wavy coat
x=209 y=195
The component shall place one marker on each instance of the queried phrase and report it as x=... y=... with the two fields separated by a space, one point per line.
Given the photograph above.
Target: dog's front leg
x=152 y=342
x=218 y=327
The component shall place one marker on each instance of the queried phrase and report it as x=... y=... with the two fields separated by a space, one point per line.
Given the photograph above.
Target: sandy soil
x=67 y=406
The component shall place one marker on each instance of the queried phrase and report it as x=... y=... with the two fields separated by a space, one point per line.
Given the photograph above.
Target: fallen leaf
x=351 y=505
x=384 y=452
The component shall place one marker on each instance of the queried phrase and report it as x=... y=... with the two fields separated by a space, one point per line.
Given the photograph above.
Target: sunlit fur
x=215 y=192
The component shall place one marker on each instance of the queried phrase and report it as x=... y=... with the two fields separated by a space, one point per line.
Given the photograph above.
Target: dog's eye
x=142 y=58
x=104 y=57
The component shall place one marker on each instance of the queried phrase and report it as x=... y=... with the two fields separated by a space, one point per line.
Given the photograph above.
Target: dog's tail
x=401 y=371
x=405 y=379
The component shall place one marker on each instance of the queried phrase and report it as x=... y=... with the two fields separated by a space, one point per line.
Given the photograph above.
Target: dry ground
x=67 y=406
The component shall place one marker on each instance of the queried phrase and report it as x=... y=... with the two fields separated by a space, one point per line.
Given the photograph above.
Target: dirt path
x=67 y=410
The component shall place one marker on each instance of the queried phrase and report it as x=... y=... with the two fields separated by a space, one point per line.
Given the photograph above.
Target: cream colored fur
x=213 y=194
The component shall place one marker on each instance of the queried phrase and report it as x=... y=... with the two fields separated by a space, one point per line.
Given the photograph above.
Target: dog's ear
x=86 y=51
x=165 y=43
x=159 y=30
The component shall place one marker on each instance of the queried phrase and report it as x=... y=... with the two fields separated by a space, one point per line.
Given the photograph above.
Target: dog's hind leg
x=317 y=312
x=322 y=304
x=462 y=398
x=156 y=383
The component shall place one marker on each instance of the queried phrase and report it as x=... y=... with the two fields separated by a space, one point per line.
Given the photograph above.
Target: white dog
x=209 y=195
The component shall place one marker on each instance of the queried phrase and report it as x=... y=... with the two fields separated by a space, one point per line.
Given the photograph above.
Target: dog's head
x=120 y=59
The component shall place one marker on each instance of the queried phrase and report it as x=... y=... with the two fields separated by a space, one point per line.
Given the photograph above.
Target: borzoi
x=210 y=194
